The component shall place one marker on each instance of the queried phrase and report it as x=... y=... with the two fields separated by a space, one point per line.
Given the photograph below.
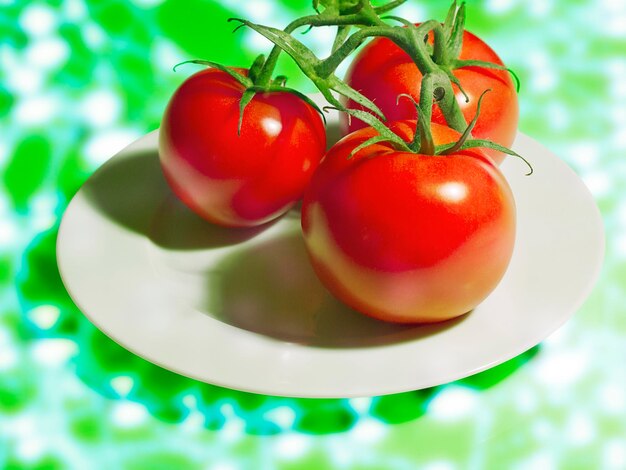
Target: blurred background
x=79 y=80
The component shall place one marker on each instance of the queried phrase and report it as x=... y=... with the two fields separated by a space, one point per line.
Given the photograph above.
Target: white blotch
x=30 y=448
x=291 y=446
x=127 y=414
x=100 y=108
x=122 y=385
x=166 y=55
x=8 y=357
x=453 y=191
x=105 y=144
x=614 y=454
x=612 y=397
x=598 y=183
x=361 y=405
x=260 y=11
x=544 y=80
x=306 y=164
x=542 y=460
x=74 y=10
x=93 y=35
x=36 y=110
x=42 y=209
x=8 y=233
x=452 y=403
x=271 y=126
x=500 y=6
x=224 y=466
x=48 y=53
x=581 y=429
x=44 y=316
x=368 y=430
x=53 y=352
x=585 y=154
x=562 y=369
x=284 y=416
x=23 y=80
x=559 y=115
x=38 y=20
x=439 y=465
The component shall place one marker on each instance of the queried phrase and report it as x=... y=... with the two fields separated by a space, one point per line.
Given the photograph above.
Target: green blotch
x=16 y=391
x=497 y=374
x=27 y=169
x=72 y=173
x=46 y=463
x=79 y=69
x=10 y=31
x=6 y=102
x=325 y=416
x=108 y=356
x=200 y=27
x=39 y=283
x=6 y=270
x=87 y=428
x=160 y=461
x=115 y=17
x=401 y=407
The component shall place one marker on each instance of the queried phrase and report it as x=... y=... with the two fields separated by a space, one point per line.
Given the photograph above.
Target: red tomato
x=404 y=237
x=238 y=180
x=382 y=71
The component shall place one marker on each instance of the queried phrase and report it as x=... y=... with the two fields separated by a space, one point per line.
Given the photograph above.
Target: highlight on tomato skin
x=408 y=238
x=238 y=179
x=382 y=71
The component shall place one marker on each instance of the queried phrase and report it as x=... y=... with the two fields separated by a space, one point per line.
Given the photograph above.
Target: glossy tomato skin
x=382 y=71
x=408 y=238
x=238 y=180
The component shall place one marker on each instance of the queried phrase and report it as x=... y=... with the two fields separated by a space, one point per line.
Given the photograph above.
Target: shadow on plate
x=101 y=363
x=132 y=192
x=271 y=289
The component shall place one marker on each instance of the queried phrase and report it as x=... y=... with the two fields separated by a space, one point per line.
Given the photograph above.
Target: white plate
x=243 y=309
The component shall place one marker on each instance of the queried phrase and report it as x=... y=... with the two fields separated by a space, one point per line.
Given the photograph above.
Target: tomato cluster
x=400 y=235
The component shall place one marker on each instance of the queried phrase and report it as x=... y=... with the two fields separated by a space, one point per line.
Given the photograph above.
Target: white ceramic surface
x=243 y=309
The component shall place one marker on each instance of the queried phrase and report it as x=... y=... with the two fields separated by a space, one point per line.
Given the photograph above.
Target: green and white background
x=81 y=79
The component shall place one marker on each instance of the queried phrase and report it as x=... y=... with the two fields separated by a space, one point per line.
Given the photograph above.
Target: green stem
x=367 y=16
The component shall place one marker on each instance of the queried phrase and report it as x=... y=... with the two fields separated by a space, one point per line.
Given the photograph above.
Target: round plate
x=243 y=308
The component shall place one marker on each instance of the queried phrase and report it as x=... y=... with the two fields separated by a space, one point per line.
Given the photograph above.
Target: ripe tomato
x=404 y=237
x=238 y=180
x=382 y=71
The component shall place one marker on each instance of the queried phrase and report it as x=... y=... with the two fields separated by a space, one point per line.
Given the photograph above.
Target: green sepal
x=242 y=79
x=468 y=131
x=457 y=82
x=447 y=24
x=256 y=67
x=475 y=143
x=304 y=58
x=243 y=102
x=455 y=43
x=458 y=64
x=344 y=89
x=382 y=130
x=371 y=141
x=342 y=33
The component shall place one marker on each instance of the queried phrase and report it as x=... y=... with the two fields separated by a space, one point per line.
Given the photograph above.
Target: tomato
x=382 y=71
x=405 y=237
x=238 y=180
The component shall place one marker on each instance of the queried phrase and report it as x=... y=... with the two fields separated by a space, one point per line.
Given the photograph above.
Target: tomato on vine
x=407 y=237
x=382 y=71
x=237 y=157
